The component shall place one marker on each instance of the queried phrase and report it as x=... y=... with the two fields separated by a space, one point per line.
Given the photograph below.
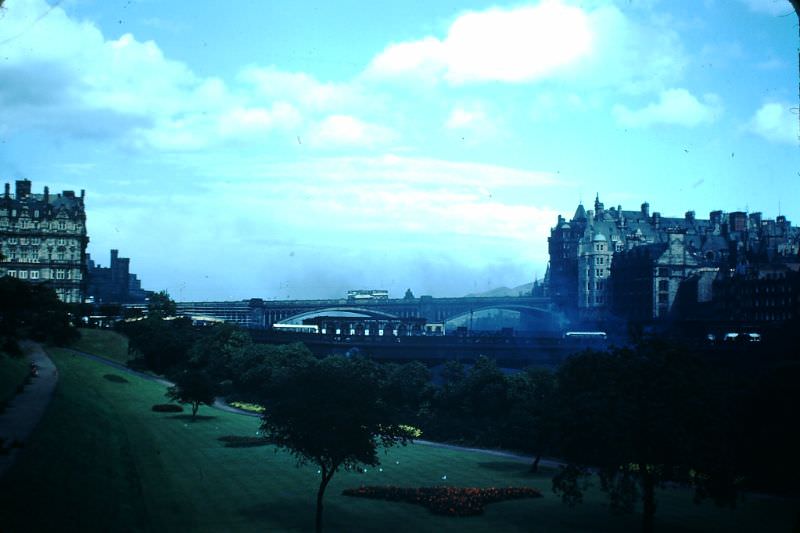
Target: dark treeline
x=643 y=417
x=32 y=311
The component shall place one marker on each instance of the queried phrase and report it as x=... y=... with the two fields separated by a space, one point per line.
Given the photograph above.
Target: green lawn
x=103 y=342
x=101 y=460
x=12 y=373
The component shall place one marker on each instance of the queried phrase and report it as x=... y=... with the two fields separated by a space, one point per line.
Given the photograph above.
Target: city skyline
x=303 y=150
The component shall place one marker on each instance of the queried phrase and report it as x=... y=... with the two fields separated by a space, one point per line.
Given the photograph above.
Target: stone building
x=115 y=283
x=646 y=279
x=767 y=293
x=582 y=252
x=43 y=239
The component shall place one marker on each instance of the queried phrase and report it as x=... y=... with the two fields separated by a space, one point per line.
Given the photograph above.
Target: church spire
x=598 y=206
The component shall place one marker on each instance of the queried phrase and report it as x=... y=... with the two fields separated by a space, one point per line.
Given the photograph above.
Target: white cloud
x=338 y=131
x=508 y=45
x=776 y=122
x=550 y=40
x=769 y=7
x=64 y=76
x=462 y=118
x=676 y=107
x=473 y=123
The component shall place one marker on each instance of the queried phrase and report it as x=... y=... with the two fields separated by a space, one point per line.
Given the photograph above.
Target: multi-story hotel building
x=43 y=239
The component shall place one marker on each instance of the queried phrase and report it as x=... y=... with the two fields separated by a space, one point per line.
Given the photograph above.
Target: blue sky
x=300 y=149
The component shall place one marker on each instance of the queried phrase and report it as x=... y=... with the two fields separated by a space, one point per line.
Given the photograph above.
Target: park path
x=25 y=410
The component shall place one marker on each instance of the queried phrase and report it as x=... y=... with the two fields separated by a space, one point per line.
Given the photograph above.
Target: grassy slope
x=12 y=372
x=101 y=460
x=103 y=342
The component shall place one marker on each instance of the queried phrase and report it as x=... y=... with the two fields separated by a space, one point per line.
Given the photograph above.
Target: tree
x=639 y=418
x=407 y=388
x=216 y=349
x=194 y=387
x=163 y=344
x=32 y=310
x=330 y=413
x=409 y=295
x=160 y=305
x=532 y=420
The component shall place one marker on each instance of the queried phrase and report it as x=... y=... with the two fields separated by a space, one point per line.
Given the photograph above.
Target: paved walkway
x=24 y=411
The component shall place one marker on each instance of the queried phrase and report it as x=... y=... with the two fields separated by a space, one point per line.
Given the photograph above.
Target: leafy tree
x=216 y=349
x=331 y=413
x=532 y=423
x=257 y=365
x=32 y=310
x=163 y=344
x=160 y=305
x=407 y=387
x=640 y=418
x=194 y=387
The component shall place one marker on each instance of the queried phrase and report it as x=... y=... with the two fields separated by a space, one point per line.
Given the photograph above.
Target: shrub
x=167 y=408
x=235 y=441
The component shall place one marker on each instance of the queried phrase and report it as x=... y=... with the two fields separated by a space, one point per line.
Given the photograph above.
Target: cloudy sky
x=292 y=149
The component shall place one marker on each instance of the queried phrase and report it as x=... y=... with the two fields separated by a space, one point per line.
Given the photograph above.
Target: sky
x=294 y=149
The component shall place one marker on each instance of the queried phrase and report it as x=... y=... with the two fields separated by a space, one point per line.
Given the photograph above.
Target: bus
x=586 y=337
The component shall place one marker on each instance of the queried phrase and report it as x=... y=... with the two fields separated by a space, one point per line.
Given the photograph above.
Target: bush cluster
x=237 y=441
x=449 y=501
x=167 y=408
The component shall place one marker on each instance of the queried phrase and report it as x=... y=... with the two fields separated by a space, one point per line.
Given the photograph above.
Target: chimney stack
x=23 y=189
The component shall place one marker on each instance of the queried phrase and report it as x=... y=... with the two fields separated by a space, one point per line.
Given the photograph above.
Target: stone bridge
x=257 y=313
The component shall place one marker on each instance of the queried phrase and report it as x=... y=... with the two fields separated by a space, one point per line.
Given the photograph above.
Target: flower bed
x=252 y=407
x=450 y=501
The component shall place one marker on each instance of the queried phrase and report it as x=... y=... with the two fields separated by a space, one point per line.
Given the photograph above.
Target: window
x=663 y=272
x=60 y=256
x=62 y=225
x=34 y=274
x=23 y=274
x=12 y=240
x=23 y=240
x=61 y=242
x=663 y=297
x=35 y=240
x=12 y=273
x=663 y=285
x=59 y=274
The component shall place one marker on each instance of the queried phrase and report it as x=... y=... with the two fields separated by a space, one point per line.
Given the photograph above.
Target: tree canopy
x=639 y=417
x=331 y=413
x=32 y=310
x=160 y=305
x=194 y=387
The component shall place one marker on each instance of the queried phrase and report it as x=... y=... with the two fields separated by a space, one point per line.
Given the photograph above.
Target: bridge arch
x=555 y=321
x=355 y=312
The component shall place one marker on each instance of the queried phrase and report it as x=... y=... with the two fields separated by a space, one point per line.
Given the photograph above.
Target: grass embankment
x=105 y=343
x=101 y=460
x=13 y=371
